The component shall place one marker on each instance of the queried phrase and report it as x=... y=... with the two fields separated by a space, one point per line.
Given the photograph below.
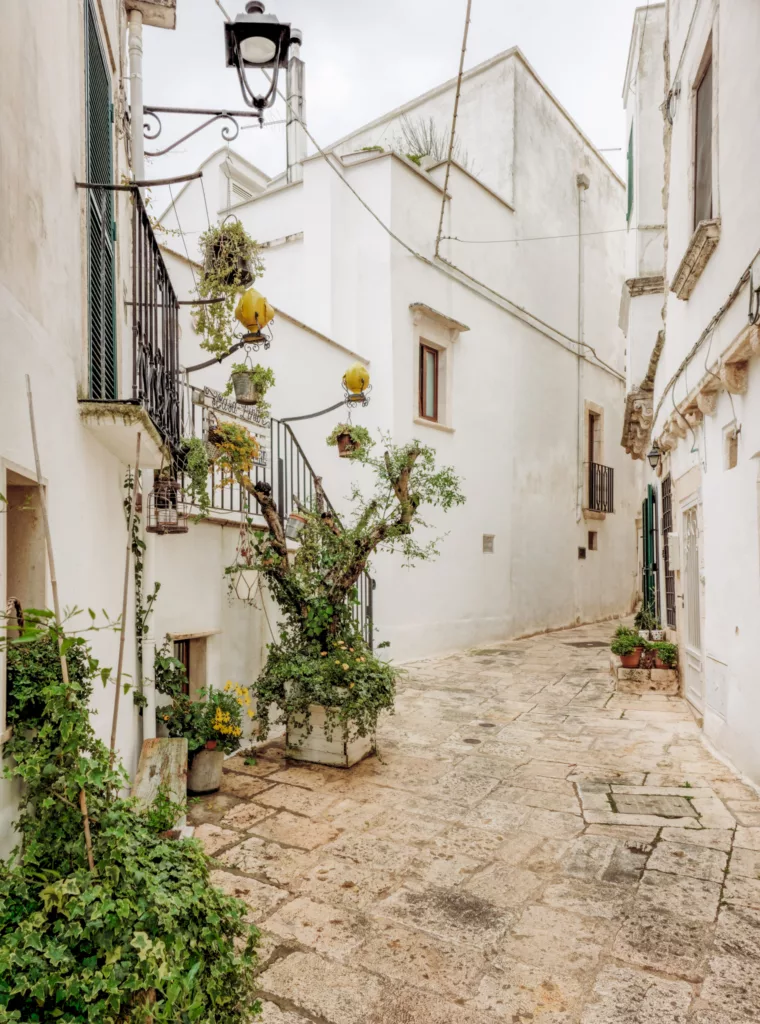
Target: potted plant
x=212 y=727
x=648 y=624
x=321 y=676
x=250 y=384
x=235 y=449
x=231 y=261
x=350 y=440
x=665 y=654
x=628 y=646
x=194 y=462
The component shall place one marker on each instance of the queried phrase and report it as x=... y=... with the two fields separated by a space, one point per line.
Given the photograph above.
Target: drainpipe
x=148 y=652
x=136 y=93
x=582 y=183
x=295 y=138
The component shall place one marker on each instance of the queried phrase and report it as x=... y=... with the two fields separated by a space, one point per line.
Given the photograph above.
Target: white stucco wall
x=725 y=690
x=43 y=326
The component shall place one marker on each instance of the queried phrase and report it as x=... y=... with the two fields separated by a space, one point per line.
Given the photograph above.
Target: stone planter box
x=205 y=774
x=644 y=680
x=317 y=749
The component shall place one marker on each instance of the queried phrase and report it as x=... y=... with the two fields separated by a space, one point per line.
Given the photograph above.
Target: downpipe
x=582 y=184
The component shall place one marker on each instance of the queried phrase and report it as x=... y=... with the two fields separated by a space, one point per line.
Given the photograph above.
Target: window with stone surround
x=703 y=140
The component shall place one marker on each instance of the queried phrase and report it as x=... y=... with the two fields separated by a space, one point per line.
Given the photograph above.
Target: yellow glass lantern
x=356 y=378
x=253 y=311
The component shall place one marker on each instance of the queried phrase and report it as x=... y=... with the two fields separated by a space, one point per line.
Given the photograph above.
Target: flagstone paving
x=529 y=846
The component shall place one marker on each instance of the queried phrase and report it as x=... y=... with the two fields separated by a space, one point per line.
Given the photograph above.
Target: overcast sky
x=365 y=57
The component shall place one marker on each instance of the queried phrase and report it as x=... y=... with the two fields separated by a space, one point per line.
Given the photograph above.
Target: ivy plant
x=231 y=261
x=143 y=938
x=196 y=465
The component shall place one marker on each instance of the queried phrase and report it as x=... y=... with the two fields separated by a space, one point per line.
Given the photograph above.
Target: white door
x=693 y=676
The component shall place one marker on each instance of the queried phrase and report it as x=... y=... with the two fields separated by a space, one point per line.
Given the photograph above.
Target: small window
x=428 y=383
x=581 y=552
x=191 y=651
x=703 y=199
x=488 y=539
x=592 y=540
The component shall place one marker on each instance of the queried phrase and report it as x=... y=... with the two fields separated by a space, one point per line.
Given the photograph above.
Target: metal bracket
x=230 y=130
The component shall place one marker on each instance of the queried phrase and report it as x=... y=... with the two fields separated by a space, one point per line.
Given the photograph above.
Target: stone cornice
x=651 y=284
x=699 y=250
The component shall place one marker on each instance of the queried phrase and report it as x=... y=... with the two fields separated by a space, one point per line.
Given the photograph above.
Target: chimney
x=295 y=110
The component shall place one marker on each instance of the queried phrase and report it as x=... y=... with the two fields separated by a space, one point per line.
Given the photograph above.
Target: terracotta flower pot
x=210 y=744
x=631 y=660
x=346 y=445
x=659 y=663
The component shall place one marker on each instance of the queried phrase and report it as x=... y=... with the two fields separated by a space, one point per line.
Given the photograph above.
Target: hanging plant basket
x=235 y=272
x=347 y=446
x=246 y=389
x=167 y=508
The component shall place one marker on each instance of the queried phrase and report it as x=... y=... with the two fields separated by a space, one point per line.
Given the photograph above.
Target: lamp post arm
x=313 y=415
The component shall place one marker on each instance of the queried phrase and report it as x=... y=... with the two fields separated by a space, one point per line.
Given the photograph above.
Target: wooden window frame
x=424 y=349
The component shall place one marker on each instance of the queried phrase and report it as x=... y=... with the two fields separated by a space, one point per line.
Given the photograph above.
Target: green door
x=650 y=587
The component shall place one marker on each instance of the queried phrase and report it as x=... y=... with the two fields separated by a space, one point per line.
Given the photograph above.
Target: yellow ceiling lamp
x=254 y=313
x=356 y=384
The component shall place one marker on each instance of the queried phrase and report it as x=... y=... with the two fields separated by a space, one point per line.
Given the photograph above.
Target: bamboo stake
x=130 y=523
x=56 y=604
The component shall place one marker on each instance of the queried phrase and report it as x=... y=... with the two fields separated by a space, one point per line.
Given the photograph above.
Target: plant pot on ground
x=648 y=625
x=350 y=440
x=212 y=726
x=627 y=645
x=665 y=654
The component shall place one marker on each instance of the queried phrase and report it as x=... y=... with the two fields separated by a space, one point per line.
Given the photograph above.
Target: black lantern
x=258 y=40
x=654 y=456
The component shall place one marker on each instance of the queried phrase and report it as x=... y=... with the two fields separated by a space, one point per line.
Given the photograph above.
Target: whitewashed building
x=693 y=373
x=490 y=324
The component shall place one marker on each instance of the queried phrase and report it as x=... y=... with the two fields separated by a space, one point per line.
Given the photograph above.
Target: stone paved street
x=532 y=847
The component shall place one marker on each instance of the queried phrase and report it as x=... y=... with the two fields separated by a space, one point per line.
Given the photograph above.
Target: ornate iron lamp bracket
x=230 y=130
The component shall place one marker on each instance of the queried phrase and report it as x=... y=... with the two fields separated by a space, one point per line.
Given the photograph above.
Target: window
x=100 y=220
x=581 y=552
x=731 y=442
x=630 y=176
x=488 y=539
x=703 y=200
x=191 y=651
x=428 y=383
x=594 y=423
x=592 y=540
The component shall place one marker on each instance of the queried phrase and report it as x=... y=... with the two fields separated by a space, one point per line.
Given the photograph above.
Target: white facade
x=514 y=397
x=704 y=410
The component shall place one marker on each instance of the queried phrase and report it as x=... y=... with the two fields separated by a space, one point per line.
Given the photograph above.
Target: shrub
x=666 y=652
x=626 y=644
x=143 y=939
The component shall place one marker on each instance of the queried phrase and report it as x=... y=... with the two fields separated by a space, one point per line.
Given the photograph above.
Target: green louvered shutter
x=630 y=177
x=100 y=220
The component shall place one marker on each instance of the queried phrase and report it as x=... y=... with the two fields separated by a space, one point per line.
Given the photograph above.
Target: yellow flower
x=351 y=649
x=337 y=663
x=345 y=668
x=351 y=686
x=323 y=654
x=250 y=714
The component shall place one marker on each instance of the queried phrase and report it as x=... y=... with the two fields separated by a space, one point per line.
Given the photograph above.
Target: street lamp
x=654 y=456
x=258 y=40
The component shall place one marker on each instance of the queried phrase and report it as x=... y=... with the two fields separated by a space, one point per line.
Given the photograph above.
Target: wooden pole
x=120 y=666
x=56 y=604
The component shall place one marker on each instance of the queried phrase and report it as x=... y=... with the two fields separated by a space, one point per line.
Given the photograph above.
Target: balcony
x=151 y=404
x=601 y=490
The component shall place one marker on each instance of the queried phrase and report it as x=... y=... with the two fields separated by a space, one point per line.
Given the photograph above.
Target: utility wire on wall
x=494 y=296
x=453 y=127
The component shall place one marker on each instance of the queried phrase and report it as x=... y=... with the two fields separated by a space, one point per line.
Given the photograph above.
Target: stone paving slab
x=531 y=848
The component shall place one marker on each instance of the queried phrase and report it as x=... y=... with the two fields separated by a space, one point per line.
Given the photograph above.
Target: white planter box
x=316 y=748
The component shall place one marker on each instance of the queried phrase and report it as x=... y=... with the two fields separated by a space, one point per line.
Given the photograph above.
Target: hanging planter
x=350 y=440
x=295 y=524
x=167 y=508
x=243 y=574
x=228 y=253
x=250 y=384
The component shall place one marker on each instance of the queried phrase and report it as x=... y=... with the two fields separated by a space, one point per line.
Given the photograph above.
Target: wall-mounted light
x=258 y=40
x=654 y=456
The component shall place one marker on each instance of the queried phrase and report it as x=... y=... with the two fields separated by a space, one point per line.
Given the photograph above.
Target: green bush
x=145 y=939
x=626 y=643
x=665 y=652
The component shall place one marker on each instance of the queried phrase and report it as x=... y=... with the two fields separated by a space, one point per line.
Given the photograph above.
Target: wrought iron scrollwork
x=230 y=129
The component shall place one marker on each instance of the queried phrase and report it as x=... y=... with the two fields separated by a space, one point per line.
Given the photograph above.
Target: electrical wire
x=532 y=320
x=537 y=238
x=453 y=127
x=182 y=236
x=205 y=203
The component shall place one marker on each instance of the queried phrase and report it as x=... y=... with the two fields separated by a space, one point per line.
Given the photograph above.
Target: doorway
x=693 y=661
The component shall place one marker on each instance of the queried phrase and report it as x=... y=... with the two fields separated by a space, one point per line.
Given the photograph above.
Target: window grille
x=670 y=576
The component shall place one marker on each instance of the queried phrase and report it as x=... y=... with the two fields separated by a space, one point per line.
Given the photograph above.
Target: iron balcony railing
x=155 y=330
x=282 y=464
x=601 y=488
